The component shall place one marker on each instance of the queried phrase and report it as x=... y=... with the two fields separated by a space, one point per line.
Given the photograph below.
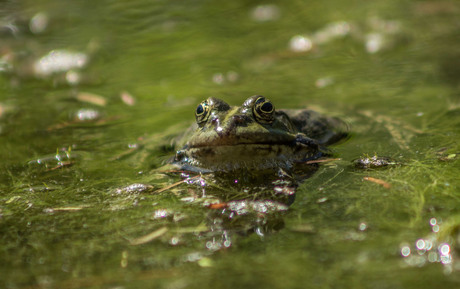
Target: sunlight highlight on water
x=430 y=250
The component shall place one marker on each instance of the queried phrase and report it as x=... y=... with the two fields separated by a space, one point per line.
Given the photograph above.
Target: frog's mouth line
x=287 y=143
x=239 y=145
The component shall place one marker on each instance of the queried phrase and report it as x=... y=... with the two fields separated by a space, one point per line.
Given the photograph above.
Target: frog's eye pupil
x=266 y=107
x=202 y=113
x=263 y=110
x=199 y=109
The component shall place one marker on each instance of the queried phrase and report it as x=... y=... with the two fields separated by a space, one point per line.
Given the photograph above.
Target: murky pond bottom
x=92 y=96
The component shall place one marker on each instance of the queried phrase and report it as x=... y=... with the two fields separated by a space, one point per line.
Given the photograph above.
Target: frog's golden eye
x=202 y=113
x=263 y=110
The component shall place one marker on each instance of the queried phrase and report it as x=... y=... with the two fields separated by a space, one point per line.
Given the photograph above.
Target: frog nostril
x=238 y=119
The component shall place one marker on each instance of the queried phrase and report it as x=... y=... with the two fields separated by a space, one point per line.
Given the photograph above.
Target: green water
x=390 y=68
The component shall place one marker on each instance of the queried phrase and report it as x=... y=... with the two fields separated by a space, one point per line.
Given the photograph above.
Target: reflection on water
x=234 y=204
x=431 y=249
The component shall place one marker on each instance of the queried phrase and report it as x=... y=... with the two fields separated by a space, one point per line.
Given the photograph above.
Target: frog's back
x=326 y=130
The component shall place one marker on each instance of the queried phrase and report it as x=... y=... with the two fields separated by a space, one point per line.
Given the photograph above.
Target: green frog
x=255 y=136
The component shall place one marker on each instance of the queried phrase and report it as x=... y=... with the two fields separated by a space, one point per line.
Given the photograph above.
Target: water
x=72 y=216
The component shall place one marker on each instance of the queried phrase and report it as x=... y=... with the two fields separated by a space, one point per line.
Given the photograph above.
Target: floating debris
x=331 y=32
x=321 y=161
x=205 y=262
x=57 y=61
x=384 y=26
x=322 y=200
x=8 y=27
x=363 y=226
x=6 y=62
x=62 y=164
x=39 y=23
x=374 y=162
x=13 y=199
x=264 y=13
x=323 y=82
x=127 y=98
x=73 y=77
x=87 y=114
x=134 y=188
x=232 y=76
x=169 y=187
x=149 y=237
x=382 y=35
x=218 y=78
x=221 y=78
x=5 y=109
x=442 y=155
x=374 y=42
x=217 y=206
x=62 y=209
x=188 y=181
x=161 y=213
x=300 y=43
x=243 y=207
x=92 y=98
x=303 y=228
x=378 y=181
x=64 y=157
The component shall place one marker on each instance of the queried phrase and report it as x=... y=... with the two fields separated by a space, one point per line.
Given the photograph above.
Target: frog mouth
x=291 y=141
x=240 y=144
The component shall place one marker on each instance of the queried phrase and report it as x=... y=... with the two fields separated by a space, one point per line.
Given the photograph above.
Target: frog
x=255 y=136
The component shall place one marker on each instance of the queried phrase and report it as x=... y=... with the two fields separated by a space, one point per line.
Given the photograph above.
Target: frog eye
x=202 y=113
x=263 y=110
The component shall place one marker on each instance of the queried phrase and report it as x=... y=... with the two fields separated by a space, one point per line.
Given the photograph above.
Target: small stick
x=149 y=237
x=321 y=161
x=173 y=185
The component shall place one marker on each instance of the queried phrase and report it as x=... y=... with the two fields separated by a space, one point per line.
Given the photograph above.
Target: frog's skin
x=255 y=136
